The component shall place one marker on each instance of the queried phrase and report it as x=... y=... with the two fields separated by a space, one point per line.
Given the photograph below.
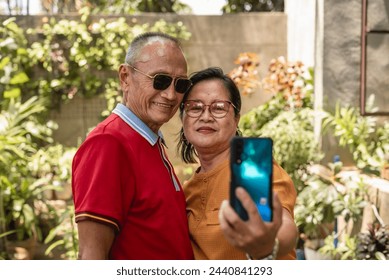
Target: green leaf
x=52 y=246
x=380 y=256
x=4 y=62
x=8 y=233
x=19 y=78
x=8 y=21
x=52 y=234
x=13 y=93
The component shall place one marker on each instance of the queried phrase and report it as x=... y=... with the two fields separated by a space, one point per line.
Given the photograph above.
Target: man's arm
x=95 y=240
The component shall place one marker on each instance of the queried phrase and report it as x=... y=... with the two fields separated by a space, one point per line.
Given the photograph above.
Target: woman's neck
x=210 y=161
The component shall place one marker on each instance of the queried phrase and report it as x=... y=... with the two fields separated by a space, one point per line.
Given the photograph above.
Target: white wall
x=301 y=30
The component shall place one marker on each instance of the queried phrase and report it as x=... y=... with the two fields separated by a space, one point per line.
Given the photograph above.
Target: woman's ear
x=237 y=118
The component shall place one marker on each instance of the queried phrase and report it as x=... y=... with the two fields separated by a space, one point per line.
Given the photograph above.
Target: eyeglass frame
x=174 y=79
x=209 y=106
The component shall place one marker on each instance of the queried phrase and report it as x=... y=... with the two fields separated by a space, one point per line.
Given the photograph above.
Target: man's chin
x=163 y=118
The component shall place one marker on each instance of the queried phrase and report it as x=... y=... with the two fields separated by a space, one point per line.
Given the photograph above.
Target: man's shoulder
x=113 y=125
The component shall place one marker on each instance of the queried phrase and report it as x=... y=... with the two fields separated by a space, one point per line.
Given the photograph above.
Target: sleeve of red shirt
x=96 y=181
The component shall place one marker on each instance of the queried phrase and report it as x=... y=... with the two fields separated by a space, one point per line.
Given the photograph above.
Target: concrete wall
x=342 y=50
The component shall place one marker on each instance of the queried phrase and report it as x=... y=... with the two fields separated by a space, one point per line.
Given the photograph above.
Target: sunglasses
x=163 y=81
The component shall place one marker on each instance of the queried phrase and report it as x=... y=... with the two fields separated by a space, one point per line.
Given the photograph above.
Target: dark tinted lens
x=162 y=81
x=182 y=85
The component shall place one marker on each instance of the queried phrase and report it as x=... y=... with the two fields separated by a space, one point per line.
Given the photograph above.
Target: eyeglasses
x=163 y=81
x=218 y=109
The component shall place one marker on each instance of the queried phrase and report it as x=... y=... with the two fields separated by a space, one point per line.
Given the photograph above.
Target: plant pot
x=311 y=254
x=311 y=250
x=21 y=250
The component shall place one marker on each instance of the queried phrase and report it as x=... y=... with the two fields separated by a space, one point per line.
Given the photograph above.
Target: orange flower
x=245 y=75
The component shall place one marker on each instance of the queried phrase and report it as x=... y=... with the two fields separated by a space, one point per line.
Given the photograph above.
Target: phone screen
x=251 y=165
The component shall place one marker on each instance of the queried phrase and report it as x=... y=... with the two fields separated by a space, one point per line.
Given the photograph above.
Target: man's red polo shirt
x=120 y=179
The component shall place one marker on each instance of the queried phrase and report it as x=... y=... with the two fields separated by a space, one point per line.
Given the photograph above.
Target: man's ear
x=123 y=76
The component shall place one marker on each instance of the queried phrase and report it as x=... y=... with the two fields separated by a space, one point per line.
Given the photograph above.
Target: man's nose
x=170 y=93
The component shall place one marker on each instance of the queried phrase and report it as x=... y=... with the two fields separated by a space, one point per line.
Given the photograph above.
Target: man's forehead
x=157 y=47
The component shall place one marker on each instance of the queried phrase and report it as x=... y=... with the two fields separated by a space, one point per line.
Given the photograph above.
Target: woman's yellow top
x=204 y=193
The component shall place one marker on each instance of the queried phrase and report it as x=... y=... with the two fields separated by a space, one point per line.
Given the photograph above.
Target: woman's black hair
x=186 y=149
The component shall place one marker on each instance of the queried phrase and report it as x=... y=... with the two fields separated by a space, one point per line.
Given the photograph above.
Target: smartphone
x=251 y=164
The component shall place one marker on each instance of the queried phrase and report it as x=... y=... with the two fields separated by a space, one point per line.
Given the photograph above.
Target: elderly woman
x=210 y=113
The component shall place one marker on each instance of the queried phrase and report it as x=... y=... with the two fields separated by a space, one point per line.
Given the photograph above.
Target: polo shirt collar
x=137 y=124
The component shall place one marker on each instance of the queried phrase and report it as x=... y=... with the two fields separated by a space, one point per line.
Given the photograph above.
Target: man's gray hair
x=142 y=40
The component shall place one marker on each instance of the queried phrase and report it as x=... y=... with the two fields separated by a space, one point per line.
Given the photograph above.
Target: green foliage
x=345 y=250
x=103 y=6
x=69 y=57
x=19 y=190
x=314 y=208
x=288 y=119
x=324 y=194
x=157 y=6
x=28 y=169
x=239 y=6
x=64 y=236
x=120 y=7
x=329 y=193
x=252 y=122
x=112 y=95
x=53 y=162
x=365 y=138
x=113 y=7
x=18 y=127
x=16 y=150
x=295 y=145
x=82 y=57
x=352 y=198
x=14 y=60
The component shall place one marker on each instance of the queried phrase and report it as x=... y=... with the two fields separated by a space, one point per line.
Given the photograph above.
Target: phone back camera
x=239 y=151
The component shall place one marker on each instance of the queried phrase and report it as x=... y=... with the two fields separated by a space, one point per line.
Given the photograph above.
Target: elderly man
x=128 y=201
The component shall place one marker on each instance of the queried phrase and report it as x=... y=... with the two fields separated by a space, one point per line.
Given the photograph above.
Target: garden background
x=314 y=83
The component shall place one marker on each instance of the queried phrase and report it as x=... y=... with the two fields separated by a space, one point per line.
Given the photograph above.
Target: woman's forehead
x=214 y=87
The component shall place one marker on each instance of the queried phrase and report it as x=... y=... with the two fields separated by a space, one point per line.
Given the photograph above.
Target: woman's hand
x=254 y=236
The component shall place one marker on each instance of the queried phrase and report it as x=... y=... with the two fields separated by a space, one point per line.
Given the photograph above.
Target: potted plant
x=21 y=217
x=373 y=244
x=366 y=137
x=331 y=193
x=314 y=214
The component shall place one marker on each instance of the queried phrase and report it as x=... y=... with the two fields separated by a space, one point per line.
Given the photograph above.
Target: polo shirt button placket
x=168 y=165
